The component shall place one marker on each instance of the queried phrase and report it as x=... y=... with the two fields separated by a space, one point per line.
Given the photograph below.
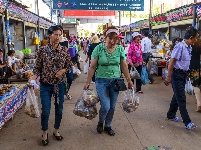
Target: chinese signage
x=159 y=19
x=129 y=5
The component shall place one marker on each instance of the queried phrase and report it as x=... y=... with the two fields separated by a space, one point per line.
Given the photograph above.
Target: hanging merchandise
x=144 y=75
x=36 y=40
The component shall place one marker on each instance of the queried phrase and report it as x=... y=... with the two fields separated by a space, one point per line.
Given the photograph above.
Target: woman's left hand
x=60 y=73
x=144 y=63
x=130 y=84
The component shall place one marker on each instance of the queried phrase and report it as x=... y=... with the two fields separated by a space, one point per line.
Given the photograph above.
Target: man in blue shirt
x=178 y=74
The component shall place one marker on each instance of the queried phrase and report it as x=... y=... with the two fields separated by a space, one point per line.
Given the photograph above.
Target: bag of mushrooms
x=131 y=101
x=86 y=105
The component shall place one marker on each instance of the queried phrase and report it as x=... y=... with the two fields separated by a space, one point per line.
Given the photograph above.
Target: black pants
x=138 y=81
x=179 y=97
x=145 y=57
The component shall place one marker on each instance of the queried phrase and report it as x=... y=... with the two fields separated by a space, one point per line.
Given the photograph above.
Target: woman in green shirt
x=108 y=58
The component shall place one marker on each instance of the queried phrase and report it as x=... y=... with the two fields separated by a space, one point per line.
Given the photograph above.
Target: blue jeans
x=179 y=97
x=108 y=98
x=46 y=91
x=69 y=77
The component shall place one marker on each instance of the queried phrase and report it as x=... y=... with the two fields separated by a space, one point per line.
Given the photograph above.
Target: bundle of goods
x=86 y=105
x=161 y=62
x=6 y=91
x=24 y=73
x=131 y=101
x=26 y=51
x=76 y=73
x=31 y=107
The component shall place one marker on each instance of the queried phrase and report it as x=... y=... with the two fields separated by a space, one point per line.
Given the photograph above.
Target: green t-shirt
x=108 y=64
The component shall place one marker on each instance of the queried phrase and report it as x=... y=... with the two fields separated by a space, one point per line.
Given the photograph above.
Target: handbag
x=134 y=73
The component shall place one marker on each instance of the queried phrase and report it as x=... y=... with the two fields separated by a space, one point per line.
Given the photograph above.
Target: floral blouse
x=44 y=66
x=135 y=53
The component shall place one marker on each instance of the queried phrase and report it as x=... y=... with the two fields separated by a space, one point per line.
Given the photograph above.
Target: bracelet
x=128 y=79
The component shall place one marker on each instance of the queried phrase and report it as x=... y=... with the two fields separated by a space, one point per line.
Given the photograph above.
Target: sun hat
x=136 y=34
x=95 y=39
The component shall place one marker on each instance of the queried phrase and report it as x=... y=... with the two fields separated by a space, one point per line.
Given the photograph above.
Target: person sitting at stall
x=2 y=64
x=12 y=61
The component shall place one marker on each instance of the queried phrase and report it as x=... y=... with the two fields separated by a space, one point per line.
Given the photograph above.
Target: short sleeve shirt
x=182 y=54
x=108 y=63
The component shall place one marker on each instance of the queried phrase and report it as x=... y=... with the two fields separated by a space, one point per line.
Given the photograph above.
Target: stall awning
x=182 y=22
x=164 y=25
x=136 y=30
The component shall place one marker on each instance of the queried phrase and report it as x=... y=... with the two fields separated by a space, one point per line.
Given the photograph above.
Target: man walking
x=146 y=48
x=178 y=74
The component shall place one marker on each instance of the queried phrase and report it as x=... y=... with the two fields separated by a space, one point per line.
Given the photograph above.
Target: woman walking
x=107 y=58
x=52 y=62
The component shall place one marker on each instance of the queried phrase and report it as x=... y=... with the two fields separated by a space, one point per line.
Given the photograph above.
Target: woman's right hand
x=136 y=65
x=86 y=87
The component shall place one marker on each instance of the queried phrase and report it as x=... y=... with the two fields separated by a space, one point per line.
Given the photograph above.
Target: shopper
x=177 y=74
x=147 y=52
x=69 y=74
x=95 y=41
x=52 y=62
x=135 y=58
x=195 y=72
x=107 y=58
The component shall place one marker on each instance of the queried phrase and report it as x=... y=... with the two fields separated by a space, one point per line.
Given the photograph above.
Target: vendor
x=12 y=61
x=2 y=64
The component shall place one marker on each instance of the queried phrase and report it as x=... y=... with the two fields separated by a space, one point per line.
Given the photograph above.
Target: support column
x=194 y=15
x=150 y=15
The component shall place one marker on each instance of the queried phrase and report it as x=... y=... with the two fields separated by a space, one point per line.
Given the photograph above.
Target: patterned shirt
x=182 y=54
x=44 y=66
x=135 y=53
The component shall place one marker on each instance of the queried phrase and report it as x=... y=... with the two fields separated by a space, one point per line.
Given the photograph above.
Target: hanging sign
x=159 y=19
x=127 y=5
x=180 y=13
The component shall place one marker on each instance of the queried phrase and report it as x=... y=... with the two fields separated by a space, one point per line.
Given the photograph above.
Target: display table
x=12 y=104
x=15 y=79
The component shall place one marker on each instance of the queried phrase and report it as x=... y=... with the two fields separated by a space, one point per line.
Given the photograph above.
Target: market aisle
x=144 y=128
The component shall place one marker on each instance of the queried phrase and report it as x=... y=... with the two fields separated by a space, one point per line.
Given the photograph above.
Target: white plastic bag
x=31 y=107
x=80 y=59
x=131 y=101
x=86 y=67
x=134 y=73
x=189 y=87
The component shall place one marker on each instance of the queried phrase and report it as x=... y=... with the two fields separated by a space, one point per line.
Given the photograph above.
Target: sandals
x=58 y=138
x=99 y=128
x=191 y=126
x=69 y=97
x=45 y=142
x=140 y=92
x=175 y=119
x=151 y=82
x=109 y=131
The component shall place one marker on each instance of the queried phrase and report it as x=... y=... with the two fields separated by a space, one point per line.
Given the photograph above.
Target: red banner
x=68 y=13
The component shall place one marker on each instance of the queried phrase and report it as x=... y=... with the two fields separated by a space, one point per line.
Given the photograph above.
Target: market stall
x=12 y=97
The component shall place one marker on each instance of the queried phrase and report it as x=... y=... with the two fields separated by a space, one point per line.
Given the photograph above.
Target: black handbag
x=119 y=85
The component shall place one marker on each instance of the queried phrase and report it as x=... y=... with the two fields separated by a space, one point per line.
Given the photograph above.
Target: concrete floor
x=145 y=127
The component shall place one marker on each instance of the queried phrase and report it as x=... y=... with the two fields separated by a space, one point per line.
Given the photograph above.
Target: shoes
x=45 y=142
x=191 y=126
x=151 y=82
x=140 y=92
x=93 y=82
x=99 y=128
x=109 y=131
x=175 y=119
x=58 y=138
x=69 y=97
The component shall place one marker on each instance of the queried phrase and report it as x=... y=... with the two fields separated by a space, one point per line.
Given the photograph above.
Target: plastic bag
x=76 y=73
x=144 y=75
x=189 y=87
x=134 y=73
x=90 y=98
x=86 y=67
x=85 y=107
x=131 y=101
x=31 y=107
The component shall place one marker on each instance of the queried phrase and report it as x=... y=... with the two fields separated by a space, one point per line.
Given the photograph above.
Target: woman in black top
x=195 y=72
x=95 y=41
